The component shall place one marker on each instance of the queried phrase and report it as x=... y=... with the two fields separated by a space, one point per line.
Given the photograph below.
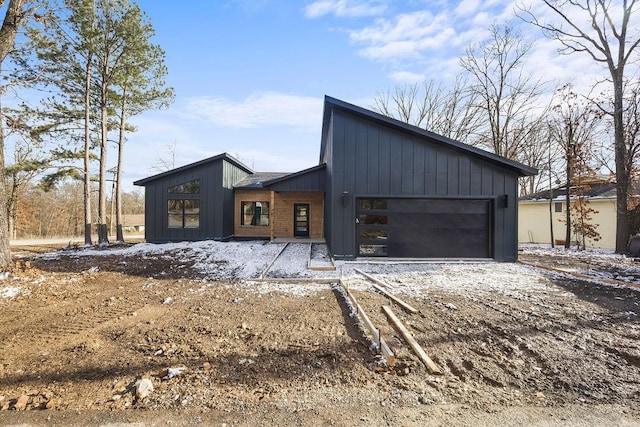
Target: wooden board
x=422 y=355
x=373 y=279
x=406 y=307
x=373 y=331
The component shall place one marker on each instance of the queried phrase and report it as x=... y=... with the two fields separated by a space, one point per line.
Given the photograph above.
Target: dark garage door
x=424 y=228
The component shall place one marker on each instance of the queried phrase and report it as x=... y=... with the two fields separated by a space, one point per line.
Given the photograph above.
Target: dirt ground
x=83 y=332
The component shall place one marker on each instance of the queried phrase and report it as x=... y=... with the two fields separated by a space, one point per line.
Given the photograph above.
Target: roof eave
x=294 y=175
x=223 y=156
x=332 y=103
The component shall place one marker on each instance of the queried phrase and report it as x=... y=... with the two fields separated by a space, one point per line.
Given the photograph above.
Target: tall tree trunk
x=103 y=235
x=123 y=123
x=8 y=33
x=622 y=172
x=87 y=153
x=567 y=198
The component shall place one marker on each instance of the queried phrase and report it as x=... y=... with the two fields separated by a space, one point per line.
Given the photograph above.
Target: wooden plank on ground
x=266 y=270
x=422 y=355
x=374 y=279
x=373 y=331
x=406 y=307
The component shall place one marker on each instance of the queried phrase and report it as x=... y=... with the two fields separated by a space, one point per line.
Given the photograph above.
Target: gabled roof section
x=258 y=179
x=331 y=104
x=591 y=187
x=295 y=175
x=223 y=156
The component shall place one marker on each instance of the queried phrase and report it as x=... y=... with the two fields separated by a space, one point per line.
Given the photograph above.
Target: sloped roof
x=223 y=156
x=601 y=190
x=295 y=174
x=331 y=104
x=258 y=179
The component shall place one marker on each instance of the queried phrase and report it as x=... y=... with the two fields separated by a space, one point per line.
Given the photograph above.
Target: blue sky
x=250 y=75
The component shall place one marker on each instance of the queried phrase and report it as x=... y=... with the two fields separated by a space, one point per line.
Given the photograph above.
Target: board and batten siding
x=216 y=202
x=366 y=159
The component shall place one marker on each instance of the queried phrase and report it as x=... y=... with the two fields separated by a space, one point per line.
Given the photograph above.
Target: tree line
x=566 y=133
x=83 y=68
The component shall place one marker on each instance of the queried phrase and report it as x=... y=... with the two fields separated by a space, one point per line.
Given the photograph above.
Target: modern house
x=381 y=188
x=541 y=210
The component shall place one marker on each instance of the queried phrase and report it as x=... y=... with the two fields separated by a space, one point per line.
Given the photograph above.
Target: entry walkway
x=298 y=240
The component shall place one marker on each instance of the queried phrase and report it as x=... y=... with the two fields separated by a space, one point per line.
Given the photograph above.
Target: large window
x=191 y=187
x=255 y=213
x=184 y=213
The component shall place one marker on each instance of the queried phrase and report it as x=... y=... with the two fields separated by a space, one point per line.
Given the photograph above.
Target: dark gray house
x=400 y=191
x=192 y=202
x=382 y=188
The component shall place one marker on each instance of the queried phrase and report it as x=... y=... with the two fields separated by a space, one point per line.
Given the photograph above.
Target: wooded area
x=93 y=66
x=567 y=135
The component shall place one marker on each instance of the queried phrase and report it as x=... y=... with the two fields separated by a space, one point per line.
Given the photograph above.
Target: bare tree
x=448 y=112
x=508 y=98
x=162 y=163
x=574 y=126
x=607 y=35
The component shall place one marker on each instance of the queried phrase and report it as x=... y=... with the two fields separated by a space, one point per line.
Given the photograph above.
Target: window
x=558 y=206
x=373 y=250
x=191 y=187
x=373 y=234
x=184 y=213
x=373 y=204
x=255 y=213
x=372 y=219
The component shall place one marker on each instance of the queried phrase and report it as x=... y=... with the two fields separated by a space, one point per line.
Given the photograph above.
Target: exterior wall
x=252 y=230
x=280 y=212
x=283 y=212
x=367 y=159
x=534 y=227
x=216 y=202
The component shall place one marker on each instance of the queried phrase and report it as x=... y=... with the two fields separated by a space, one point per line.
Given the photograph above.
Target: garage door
x=424 y=228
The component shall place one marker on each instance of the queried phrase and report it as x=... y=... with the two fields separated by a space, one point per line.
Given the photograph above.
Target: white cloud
x=406 y=77
x=404 y=36
x=269 y=108
x=467 y=7
x=344 y=8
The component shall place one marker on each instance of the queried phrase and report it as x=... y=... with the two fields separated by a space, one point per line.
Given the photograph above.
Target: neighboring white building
x=534 y=225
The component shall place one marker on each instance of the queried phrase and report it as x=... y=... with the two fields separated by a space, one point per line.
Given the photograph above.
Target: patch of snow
x=248 y=259
x=9 y=292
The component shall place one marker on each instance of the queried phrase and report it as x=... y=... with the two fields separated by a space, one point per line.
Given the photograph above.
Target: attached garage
x=395 y=190
x=424 y=228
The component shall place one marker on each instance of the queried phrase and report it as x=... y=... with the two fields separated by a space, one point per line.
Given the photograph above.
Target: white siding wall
x=533 y=222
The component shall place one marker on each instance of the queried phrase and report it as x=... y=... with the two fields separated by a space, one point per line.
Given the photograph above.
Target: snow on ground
x=9 y=291
x=591 y=253
x=597 y=263
x=247 y=260
x=419 y=280
x=215 y=260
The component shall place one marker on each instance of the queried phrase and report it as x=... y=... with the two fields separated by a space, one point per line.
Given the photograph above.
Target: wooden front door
x=301 y=220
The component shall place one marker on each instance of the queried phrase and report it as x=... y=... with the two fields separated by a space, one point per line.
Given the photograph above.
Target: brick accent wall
x=251 y=196
x=280 y=212
x=283 y=212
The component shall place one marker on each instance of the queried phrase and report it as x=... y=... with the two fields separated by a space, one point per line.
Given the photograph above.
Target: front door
x=301 y=220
